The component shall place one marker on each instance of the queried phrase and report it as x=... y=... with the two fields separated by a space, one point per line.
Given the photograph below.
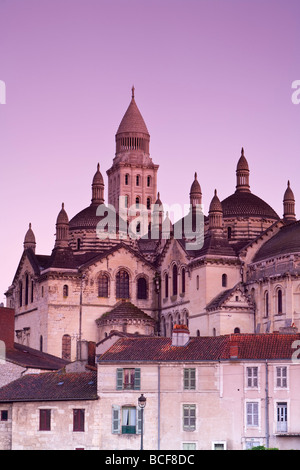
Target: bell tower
x=132 y=175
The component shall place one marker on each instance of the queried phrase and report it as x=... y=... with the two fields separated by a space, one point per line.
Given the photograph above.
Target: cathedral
x=241 y=278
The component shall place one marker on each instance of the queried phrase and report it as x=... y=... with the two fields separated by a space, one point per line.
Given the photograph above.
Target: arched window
x=237 y=330
x=122 y=285
x=78 y=243
x=126 y=201
x=127 y=179
x=175 y=280
x=137 y=180
x=214 y=332
x=166 y=285
x=229 y=233
x=183 y=280
x=197 y=282
x=224 y=280
x=103 y=285
x=279 y=301
x=41 y=343
x=142 y=288
x=148 y=203
x=148 y=181
x=20 y=294
x=66 y=348
x=266 y=304
x=65 y=290
x=137 y=201
x=26 y=289
x=32 y=291
x=198 y=332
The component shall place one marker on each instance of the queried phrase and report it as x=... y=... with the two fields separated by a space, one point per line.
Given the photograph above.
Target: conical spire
x=132 y=133
x=289 y=204
x=29 y=240
x=62 y=229
x=98 y=187
x=242 y=174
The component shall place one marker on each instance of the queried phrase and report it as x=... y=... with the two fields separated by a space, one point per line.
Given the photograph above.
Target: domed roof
x=88 y=220
x=287 y=240
x=132 y=120
x=29 y=237
x=62 y=217
x=98 y=178
x=288 y=195
x=246 y=204
x=215 y=205
x=195 y=188
x=242 y=163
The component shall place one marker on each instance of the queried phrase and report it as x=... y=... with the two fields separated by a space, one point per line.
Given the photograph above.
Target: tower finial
x=132 y=92
x=242 y=152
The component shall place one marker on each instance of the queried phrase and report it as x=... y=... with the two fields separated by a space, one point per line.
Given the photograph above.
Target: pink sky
x=210 y=76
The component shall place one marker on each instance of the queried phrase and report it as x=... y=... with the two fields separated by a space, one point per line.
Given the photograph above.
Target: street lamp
x=142 y=404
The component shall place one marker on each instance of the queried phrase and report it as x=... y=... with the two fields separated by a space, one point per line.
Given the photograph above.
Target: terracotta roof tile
x=51 y=386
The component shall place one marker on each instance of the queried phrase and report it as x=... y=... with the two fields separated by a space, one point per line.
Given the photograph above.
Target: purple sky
x=210 y=76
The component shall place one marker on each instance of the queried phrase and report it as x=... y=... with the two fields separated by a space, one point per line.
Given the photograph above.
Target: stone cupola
x=242 y=174
x=62 y=229
x=289 y=204
x=29 y=240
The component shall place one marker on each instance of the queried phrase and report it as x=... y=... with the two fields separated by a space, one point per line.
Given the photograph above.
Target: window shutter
x=115 y=425
x=186 y=379
x=139 y=421
x=119 y=379
x=137 y=379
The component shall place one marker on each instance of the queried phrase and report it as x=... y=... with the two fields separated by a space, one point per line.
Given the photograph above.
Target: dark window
x=3 y=415
x=142 y=288
x=224 y=280
x=137 y=201
x=78 y=420
x=175 y=273
x=166 y=285
x=78 y=243
x=122 y=285
x=237 y=330
x=183 y=280
x=45 y=420
x=103 y=285
x=267 y=304
x=279 y=301
x=229 y=232
x=148 y=203
x=41 y=343
x=148 y=181
x=137 y=180
x=20 y=293
x=126 y=179
x=32 y=287
x=26 y=289
x=65 y=290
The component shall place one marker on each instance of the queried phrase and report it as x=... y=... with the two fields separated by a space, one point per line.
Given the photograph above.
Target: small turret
x=289 y=204
x=195 y=193
x=242 y=174
x=215 y=213
x=29 y=240
x=98 y=187
x=62 y=229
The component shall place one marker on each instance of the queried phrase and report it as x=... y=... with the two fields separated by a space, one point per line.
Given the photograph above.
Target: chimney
x=180 y=335
x=234 y=350
x=7 y=326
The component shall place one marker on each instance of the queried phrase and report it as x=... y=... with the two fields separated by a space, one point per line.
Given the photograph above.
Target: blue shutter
x=137 y=379
x=119 y=379
x=115 y=422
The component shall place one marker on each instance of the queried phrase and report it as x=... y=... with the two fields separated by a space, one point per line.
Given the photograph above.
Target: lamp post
x=142 y=404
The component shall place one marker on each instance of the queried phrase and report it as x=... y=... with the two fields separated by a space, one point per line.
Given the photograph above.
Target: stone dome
x=29 y=237
x=98 y=178
x=286 y=241
x=215 y=205
x=62 y=217
x=195 y=188
x=246 y=204
x=288 y=195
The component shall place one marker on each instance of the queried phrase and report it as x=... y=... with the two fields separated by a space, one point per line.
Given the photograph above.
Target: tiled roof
x=51 y=386
x=132 y=120
x=33 y=358
x=287 y=240
x=125 y=309
x=202 y=348
x=247 y=204
x=160 y=349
